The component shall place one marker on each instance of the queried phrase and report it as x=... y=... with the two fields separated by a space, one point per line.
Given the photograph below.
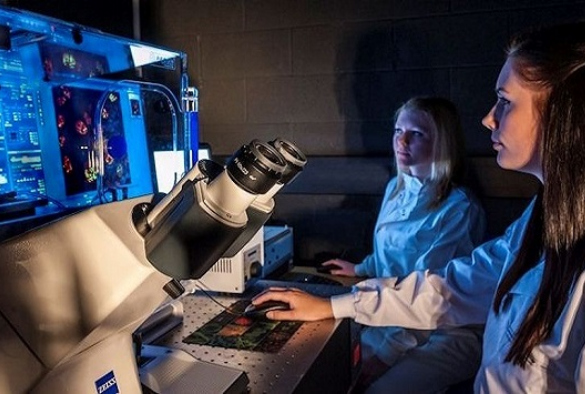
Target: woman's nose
x=489 y=121
x=403 y=138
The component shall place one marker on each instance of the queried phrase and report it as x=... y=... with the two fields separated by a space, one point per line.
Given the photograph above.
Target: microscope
x=245 y=260
x=76 y=289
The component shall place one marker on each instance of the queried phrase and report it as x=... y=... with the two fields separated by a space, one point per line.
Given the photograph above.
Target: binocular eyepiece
x=198 y=222
x=258 y=166
x=295 y=159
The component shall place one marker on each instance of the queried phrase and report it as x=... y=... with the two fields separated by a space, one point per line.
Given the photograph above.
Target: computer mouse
x=261 y=309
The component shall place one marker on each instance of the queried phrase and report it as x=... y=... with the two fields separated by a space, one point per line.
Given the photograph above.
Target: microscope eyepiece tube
x=295 y=159
x=295 y=162
x=256 y=167
x=253 y=170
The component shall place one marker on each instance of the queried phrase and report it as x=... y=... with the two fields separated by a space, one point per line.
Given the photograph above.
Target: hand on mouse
x=303 y=306
x=340 y=267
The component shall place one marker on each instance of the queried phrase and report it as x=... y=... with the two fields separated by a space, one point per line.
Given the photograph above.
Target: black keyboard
x=301 y=277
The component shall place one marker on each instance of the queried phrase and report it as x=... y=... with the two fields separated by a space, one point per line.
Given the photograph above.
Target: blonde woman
x=427 y=218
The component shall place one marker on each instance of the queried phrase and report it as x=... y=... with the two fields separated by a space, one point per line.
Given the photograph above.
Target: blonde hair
x=447 y=165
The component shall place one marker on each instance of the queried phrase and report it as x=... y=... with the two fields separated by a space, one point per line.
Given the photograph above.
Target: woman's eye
x=501 y=107
x=397 y=131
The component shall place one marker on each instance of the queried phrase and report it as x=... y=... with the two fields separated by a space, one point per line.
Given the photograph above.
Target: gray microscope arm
x=73 y=291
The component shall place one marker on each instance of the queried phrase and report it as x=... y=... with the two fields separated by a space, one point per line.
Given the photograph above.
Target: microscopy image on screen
x=78 y=140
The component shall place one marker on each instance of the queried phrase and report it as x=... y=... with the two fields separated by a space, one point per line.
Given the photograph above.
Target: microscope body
x=76 y=289
x=73 y=292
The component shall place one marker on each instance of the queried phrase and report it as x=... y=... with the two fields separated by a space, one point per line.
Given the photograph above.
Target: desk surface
x=268 y=372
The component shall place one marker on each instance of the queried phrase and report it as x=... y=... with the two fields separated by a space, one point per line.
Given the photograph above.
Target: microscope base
x=173 y=371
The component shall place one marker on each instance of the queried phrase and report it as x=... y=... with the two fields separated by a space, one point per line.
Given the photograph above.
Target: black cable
x=24 y=342
x=225 y=308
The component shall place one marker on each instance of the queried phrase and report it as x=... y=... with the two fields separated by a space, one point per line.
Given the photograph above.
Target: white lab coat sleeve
x=424 y=299
x=459 y=294
x=462 y=225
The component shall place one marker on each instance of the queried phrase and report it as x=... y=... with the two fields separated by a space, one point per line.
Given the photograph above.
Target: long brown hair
x=551 y=61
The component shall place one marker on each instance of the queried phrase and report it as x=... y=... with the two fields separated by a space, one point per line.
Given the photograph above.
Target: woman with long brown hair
x=528 y=285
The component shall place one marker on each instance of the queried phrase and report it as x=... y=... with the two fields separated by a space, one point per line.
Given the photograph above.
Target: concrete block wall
x=329 y=74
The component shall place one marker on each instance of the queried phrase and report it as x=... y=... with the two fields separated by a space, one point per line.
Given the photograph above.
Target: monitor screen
x=78 y=144
x=49 y=148
x=204 y=151
x=21 y=170
x=170 y=165
x=71 y=150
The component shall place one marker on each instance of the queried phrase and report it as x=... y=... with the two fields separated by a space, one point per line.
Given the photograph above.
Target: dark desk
x=320 y=357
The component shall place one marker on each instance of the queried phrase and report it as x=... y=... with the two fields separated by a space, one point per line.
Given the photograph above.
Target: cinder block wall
x=329 y=74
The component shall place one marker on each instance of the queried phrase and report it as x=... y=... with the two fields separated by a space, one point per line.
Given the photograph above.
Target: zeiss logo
x=107 y=384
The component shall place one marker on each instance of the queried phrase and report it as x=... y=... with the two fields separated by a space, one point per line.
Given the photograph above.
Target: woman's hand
x=302 y=306
x=340 y=267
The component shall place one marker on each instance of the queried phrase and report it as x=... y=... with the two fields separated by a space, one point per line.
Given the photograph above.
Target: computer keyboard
x=302 y=277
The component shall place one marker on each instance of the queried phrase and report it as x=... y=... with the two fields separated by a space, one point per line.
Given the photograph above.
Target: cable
x=225 y=308
x=43 y=196
x=22 y=339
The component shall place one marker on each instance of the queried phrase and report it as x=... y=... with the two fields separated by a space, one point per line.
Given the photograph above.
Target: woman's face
x=513 y=121
x=413 y=142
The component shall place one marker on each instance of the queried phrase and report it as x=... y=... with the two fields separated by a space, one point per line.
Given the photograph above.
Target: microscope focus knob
x=255 y=270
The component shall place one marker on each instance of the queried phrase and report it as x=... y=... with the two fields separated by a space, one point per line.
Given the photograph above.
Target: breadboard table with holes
x=321 y=356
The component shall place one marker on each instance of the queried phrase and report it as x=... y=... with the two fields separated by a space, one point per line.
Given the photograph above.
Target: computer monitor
x=22 y=179
x=21 y=169
x=170 y=165
x=204 y=151
x=71 y=147
x=49 y=148
x=169 y=168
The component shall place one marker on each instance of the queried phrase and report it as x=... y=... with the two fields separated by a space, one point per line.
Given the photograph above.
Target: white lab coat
x=411 y=236
x=462 y=294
